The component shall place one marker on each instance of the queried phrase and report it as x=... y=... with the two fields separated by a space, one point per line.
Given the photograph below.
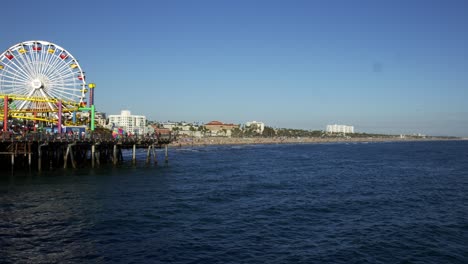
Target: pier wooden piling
x=166 y=160
x=154 y=156
x=134 y=154
x=93 y=152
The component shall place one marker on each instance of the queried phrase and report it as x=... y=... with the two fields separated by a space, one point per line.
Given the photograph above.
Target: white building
x=133 y=124
x=258 y=125
x=340 y=129
x=100 y=118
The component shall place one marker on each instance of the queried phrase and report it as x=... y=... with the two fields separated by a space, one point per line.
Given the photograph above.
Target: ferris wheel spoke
x=40 y=60
x=63 y=94
x=47 y=58
x=57 y=76
x=60 y=73
x=57 y=60
x=48 y=61
x=19 y=68
x=35 y=58
x=28 y=96
x=26 y=62
x=72 y=97
x=14 y=87
x=68 y=94
x=48 y=103
x=52 y=61
x=13 y=81
x=64 y=87
x=15 y=73
x=52 y=69
x=65 y=77
x=11 y=85
x=30 y=62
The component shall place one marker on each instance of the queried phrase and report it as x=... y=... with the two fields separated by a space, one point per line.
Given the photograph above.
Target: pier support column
x=65 y=158
x=98 y=155
x=121 y=155
x=115 y=155
x=134 y=154
x=39 y=154
x=93 y=152
x=72 y=159
x=154 y=156
x=28 y=150
x=148 y=155
x=166 y=159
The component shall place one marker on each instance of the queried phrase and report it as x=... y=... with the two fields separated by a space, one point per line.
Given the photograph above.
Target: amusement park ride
x=42 y=82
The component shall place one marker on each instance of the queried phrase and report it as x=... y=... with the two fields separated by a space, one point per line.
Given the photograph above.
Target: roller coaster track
x=29 y=113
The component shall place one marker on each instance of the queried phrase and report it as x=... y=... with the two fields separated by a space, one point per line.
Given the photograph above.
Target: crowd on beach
x=207 y=141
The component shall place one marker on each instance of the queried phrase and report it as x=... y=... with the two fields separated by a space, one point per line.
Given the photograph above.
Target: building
x=132 y=124
x=340 y=129
x=217 y=128
x=100 y=118
x=170 y=125
x=258 y=126
x=159 y=130
x=183 y=128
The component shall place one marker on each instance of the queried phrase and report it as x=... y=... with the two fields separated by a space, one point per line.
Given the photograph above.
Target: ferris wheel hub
x=36 y=84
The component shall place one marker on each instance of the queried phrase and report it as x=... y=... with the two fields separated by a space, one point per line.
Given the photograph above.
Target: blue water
x=314 y=203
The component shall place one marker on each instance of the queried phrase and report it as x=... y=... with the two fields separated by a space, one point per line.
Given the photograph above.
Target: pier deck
x=47 y=151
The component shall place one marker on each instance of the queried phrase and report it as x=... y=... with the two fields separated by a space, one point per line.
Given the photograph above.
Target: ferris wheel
x=36 y=74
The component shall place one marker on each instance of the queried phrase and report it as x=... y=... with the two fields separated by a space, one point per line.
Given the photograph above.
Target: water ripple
x=318 y=203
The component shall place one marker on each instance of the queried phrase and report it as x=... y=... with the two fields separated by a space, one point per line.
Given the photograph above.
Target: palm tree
x=236 y=132
x=192 y=129
x=176 y=130
x=221 y=132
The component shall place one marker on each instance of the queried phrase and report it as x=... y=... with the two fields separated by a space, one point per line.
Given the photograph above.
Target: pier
x=40 y=151
x=43 y=88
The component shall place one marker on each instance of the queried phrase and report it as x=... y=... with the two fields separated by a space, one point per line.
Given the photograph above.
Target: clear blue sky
x=382 y=66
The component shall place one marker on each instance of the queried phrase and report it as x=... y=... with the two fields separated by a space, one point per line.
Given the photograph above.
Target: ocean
x=389 y=202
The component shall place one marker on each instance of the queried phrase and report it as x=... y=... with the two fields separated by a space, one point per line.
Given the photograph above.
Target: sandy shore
x=208 y=141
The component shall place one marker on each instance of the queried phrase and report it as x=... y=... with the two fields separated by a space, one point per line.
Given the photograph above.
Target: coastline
x=212 y=141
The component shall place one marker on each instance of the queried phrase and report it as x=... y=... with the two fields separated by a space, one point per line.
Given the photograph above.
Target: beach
x=208 y=141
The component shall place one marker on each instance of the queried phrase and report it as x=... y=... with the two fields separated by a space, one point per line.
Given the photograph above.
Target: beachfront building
x=217 y=128
x=132 y=124
x=257 y=126
x=340 y=129
x=183 y=128
x=170 y=125
x=159 y=129
x=100 y=118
